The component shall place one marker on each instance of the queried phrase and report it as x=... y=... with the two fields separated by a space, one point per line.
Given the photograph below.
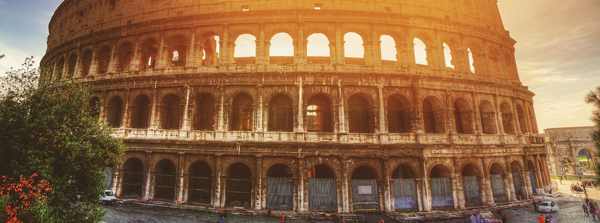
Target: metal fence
x=532 y=180
x=405 y=195
x=322 y=194
x=518 y=187
x=498 y=188
x=200 y=189
x=441 y=193
x=472 y=191
x=238 y=192
x=365 y=195
x=280 y=193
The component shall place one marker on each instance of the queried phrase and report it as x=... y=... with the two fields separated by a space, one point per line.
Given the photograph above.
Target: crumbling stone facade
x=429 y=114
x=565 y=145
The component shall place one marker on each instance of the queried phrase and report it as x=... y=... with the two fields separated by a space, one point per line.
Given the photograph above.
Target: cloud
x=543 y=73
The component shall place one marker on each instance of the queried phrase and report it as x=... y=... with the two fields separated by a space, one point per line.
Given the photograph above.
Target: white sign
x=365 y=190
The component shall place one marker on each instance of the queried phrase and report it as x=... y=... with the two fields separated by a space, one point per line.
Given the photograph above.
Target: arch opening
x=103 y=60
x=360 y=115
x=245 y=49
x=507 y=118
x=281 y=50
x=165 y=180
x=204 y=118
x=177 y=50
x=280 y=187
x=72 y=65
x=433 y=115
x=149 y=54
x=498 y=185
x=94 y=107
x=354 y=51
x=488 y=118
x=210 y=51
x=388 y=50
x=133 y=177
x=398 y=114
x=170 y=112
x=448 y=56
x=405 y=189
x=59 y=69
x=471 y=177
x=140 y=112
x=319 y=115
x=463 y=117
x=200 y=183
x=441 y=188
x=587 y=161
x=420 y=49
x=239 y=186
x=365 y=193
x=281 y=116
x=322 y=189
x=242 y=112
x=124 y=56
x=317 y=49
x=518 y=180
x=86 y=63
x=114 y=112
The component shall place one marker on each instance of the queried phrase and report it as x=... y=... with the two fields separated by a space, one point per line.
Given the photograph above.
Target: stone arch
x=140 y=112
x=317 y=49
x=59 y=69
x=176 y=50
x=239 y=185
x=518 y=180
x=420 y=50
x=522 y=119
x=398 y=114
x=441 y=187
x=365 y=189
x=133 y=177
x=204 y=109
x=124 y=56
x=477 y=57
x=242 y=113
x=495 y=62
x=210 y=50
x=103 y=59
x=149 y=53
x=281 y=49
x=404 y=188
x=589 y=162
x=200 y=182
x=280 y=187
x=72 y=64
x=433 y=115
x=170 y=112
x=472 y=181
x=165 y=174
x=361 y=117
x=497 y=179
x=508 y=122
x=86 y=62
x=114 y=112
x=388 y=50
x=281 y=113
x=453 y=54
x=322 y=188
x=488 y=118
x=245 y=49
x=354 y=51
x=463 y=116
x=319 y=114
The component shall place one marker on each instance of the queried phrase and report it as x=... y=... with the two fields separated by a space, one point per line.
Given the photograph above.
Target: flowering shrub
x=18 y=197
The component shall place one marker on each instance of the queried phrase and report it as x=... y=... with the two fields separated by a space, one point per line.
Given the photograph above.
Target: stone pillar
x=191 y=60
x=346 y=190
x=161 y=60
x=186 y=125
x=420 y=194
x=460 y=187
x=136 y=56
x=511 y=182
x=117 y=184
x=217 y=188
x=94 y=63
x=300 y=111
x=382 y=118
x=426 y=187
x=339 y=45
x=388 y=199
x=221 y=114
x=125 y=122
x=341 y=111
x=148 y=178
x=262 y=48
x=112 y=62
x=300 y=46
x=416 y=116
x=455 y=188
x=258 y=190
x=154 y=110
x=259 y=125
x=536 y=174
x=301 y=204
x=180 y=181
x=487 y=182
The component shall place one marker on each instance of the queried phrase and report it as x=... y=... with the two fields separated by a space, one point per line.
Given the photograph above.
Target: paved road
x=570 y=212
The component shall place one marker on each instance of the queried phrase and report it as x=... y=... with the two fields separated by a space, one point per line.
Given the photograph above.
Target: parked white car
x=548 y=206
x=108 y=198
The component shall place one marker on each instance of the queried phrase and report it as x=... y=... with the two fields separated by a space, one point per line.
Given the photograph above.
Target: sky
x=557 y=50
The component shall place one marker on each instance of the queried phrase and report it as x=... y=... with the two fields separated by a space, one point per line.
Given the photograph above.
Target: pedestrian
x=381 y=220
x=282 y=218
x=540 y=219
x=593 y=211
x=223 y=217
x=585 y=209
x=534 y=206
x=597 y=212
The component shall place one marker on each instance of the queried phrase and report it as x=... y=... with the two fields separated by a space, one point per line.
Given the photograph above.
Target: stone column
x=191 y=60
x=186 y=125
x=148 y=178
x=125 y=123
x=511 y=182
x=301 y=204
x=382 y=118
x=258 y=201
x=341 y=111
x=117 y=184
x=136 y=56
x=259 y=125
x=262 y=48
x=339 y=45
x=161 y=60
x=487 y=182
x=300 y=111
x=426 y=187
x=217 y=188
x=180 y=181
x=221 y=114
x=460 y=187
x=346 y=190
x=154 y=110
x=112 y=62
x=536 y=174
x=455 y=188
x=388 y=199
x=300 y=46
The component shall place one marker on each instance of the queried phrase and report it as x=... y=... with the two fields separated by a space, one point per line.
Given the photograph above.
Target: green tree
x=50 y=132
x=593 y=97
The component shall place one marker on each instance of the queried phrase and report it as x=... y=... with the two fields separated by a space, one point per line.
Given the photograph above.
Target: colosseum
x=308 y=106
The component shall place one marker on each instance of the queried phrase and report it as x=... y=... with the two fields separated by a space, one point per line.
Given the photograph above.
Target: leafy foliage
x=593 y=97
x=50 y=132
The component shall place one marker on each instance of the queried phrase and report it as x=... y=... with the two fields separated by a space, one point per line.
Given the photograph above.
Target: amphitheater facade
x=380 y=106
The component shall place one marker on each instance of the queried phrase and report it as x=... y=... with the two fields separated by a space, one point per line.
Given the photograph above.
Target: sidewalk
x=565 y=188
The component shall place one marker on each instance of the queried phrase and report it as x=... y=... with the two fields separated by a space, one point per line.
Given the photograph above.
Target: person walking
x=540 y=219
x=593 y=211
x=585 y=209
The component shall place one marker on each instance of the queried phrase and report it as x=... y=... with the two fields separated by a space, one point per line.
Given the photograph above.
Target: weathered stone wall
x=564 y=145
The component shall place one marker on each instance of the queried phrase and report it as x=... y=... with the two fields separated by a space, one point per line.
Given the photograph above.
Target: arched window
x=441 y=188
x=433 y=115
x=507 y=118
x=245 y=49
x=398 y=114
x=177 y=49
x=133 y=177
x=281 y=50
x=495 y=63
x=522 y=119
x=86 y=62
x=124 y=55
x=140 y=112
x=281 y=117
x=471 y=62
x=59 y=69
x=360 y=115
x=114 y=112
x=165 y=180
x=210 y=51
x=204 y=118
x=420 y=52
x=103 y=60
x=354 y=50
x=388 y=49
x=238 y=186
x=488 y=118
x=477 y=59
x=319 y=115
x=149 y=53
x=72 y=63
x=472 y=182
x=200 y=183
x=317 y=49
x=448 y=56
x=463 y=117
x=242 y=113
x=170 y=112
